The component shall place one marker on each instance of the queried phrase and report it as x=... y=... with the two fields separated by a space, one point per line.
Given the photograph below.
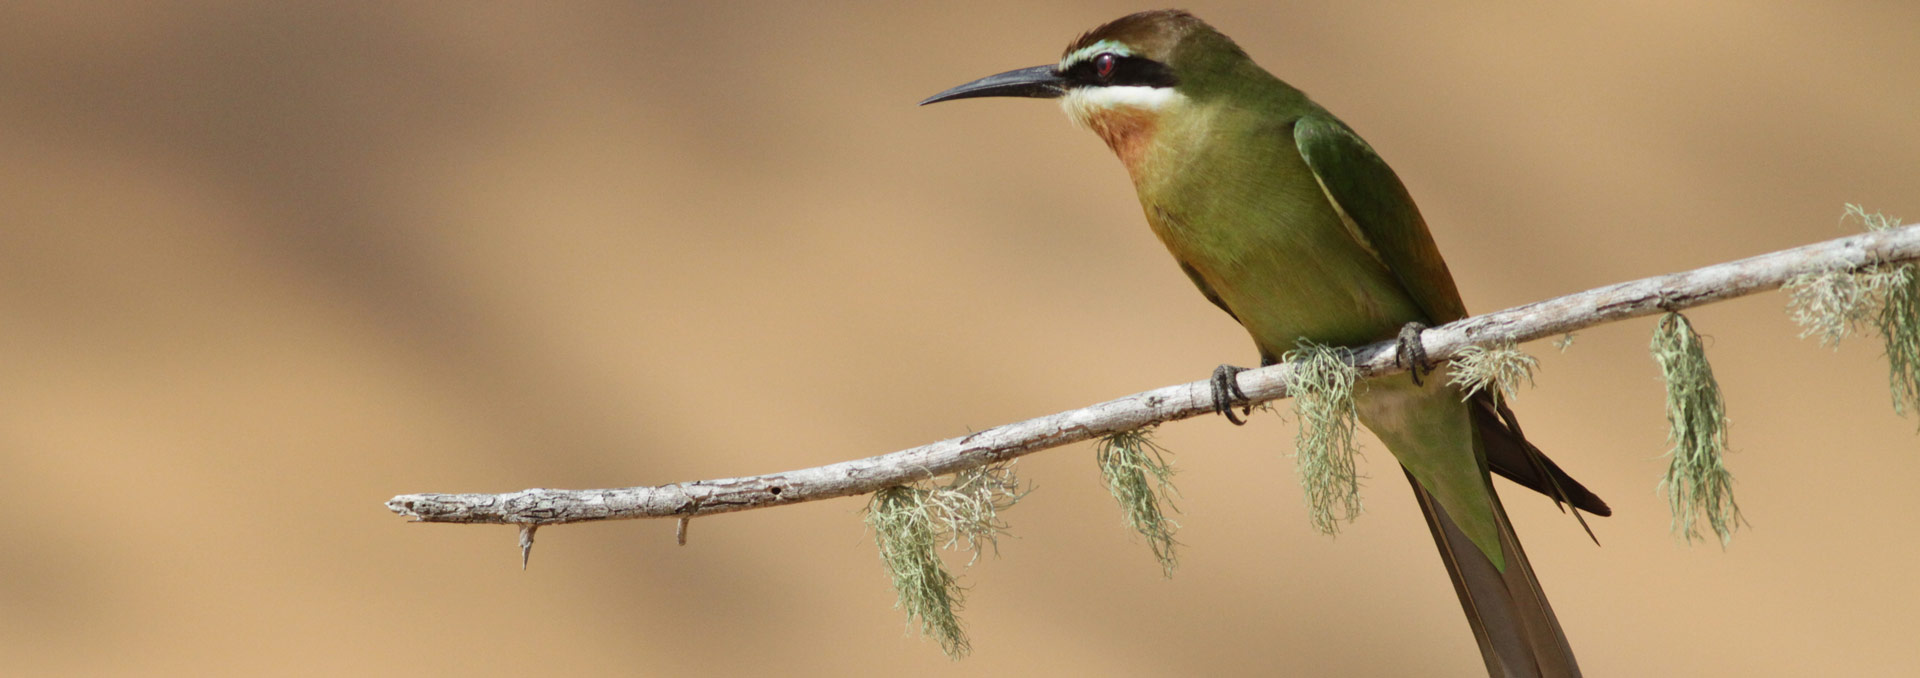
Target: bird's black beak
x=1039 y=82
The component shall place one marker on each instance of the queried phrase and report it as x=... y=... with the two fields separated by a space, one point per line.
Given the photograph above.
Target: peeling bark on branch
x=1560 y=315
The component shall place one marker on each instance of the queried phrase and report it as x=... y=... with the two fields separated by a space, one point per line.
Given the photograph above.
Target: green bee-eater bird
x=1288 y=221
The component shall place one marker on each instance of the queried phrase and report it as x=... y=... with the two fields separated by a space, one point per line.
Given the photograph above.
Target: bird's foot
x=1227 y=393
x=1412 y=353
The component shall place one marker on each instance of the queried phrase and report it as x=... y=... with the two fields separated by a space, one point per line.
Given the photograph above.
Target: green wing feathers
x=1379 y=212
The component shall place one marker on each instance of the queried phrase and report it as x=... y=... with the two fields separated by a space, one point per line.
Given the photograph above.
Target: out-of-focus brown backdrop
x=264 y=265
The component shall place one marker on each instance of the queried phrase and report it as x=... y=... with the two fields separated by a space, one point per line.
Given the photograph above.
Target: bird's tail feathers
x=1510 y=454
x=1512 y=622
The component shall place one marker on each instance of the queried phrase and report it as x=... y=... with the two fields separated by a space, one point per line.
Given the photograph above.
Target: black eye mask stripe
x=1128 y=71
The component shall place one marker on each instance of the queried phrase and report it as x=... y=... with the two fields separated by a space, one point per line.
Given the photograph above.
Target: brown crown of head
x=1152 y=34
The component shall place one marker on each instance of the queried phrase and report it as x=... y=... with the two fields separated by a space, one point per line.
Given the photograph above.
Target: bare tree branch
x=536 y=507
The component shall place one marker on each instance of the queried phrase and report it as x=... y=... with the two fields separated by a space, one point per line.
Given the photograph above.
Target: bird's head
x=1124 y=78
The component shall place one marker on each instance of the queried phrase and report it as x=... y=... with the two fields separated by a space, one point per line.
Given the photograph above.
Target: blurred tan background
x=264 y=266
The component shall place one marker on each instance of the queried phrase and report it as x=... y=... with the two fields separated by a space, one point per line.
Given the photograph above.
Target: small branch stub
x=526 y=543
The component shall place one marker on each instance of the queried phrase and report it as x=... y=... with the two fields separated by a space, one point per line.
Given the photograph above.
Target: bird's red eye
x=1103 y=64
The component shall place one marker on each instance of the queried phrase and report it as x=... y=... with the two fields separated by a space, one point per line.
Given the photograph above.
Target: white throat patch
x=1083 y=103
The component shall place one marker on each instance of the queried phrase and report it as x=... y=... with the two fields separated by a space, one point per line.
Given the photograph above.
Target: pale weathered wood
x=1537 y=320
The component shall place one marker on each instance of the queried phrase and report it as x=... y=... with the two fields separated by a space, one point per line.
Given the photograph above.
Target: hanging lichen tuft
x=1141 y=480
x=903 y=529
x=967 y=508
x=1498 y=369
x=1699 y=487
x=1899 y=324
x=1898 y=318
x=1835 y=303
x=1322 y=390
x=911 y=523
